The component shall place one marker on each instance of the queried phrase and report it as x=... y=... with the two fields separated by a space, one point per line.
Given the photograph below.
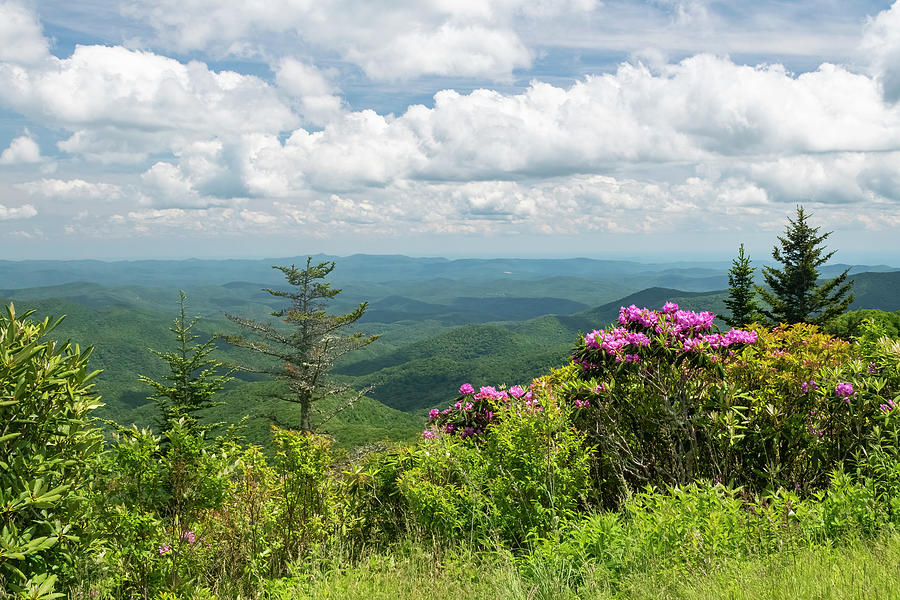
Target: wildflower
x=516 y=391
x=428 y=434
x=582 y=403
x=433 y=414
x=844 y=390
x=189 y=537
x=165 y=549
x=466 y=389
x=873 y=368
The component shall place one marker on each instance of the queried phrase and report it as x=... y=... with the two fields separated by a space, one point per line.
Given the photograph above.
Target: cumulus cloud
x=71 y=189
x=26 y=211
x=315 y=95
x=387 y=40
x=22 y=150
x=21 y=39
x=881 y=44
x=704 y=142
x=122 y=105
x=703 y=109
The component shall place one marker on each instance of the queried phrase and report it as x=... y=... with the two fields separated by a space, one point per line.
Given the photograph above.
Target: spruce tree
x=793 y=294
x=741 y=299
x=311 y=343
x=193 y=377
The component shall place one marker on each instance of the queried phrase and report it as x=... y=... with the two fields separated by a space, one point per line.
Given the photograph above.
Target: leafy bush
x=504 y=464
x=150 y=506
x=647 y=395
x=47 y=442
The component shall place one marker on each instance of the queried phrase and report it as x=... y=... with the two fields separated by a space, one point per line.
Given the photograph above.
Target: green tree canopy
x=793 y=292
x=741 y=299
x=306 y=349
x=193 y=377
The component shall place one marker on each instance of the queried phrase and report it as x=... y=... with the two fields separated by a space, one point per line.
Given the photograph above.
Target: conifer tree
x=794 y=294
x=193 y=377
x=741 y=299
x=313 y=340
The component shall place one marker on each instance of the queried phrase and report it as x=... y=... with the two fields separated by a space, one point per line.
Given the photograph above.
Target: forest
x=515 y=429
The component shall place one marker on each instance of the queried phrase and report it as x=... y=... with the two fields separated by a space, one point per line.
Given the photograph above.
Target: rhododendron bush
x=663 y=397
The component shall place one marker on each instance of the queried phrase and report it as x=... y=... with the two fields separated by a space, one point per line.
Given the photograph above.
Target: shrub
x=504 y=464
x=47 y=442
x=647 y=394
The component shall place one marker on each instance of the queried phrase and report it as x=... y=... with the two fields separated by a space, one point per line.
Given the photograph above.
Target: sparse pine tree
x=793 y=294
x=193 y=377
x=741 y=299
x=314 y=341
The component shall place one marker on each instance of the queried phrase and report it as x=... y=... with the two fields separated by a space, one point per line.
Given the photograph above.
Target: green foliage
x=47 y=441
x=149 y=506
x=193 y=377
x=305 y=493
x=794 y=294
x=305 y=355
x=850 y=324
x=741 y=299
x=521 y=479
x=792 y=426
x=653 y=424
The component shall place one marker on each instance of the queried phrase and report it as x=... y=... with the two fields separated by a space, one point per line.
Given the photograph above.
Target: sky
x=645 y=129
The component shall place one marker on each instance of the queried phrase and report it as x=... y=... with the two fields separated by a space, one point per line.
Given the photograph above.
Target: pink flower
x=165 y=549
x=428 y=434
x=433 y=414
x=466 y=389
x=844 y=390
x=516 y=391
x=189 y=537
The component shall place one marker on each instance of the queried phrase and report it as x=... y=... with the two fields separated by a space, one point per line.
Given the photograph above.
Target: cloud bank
x=148 y=141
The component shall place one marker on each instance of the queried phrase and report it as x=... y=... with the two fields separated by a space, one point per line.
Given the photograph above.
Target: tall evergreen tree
x=741 y=299
x=193 y=377
x=793 y=294
x=306 y=352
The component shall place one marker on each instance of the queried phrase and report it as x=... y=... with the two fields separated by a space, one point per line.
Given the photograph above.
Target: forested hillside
x=487 y=321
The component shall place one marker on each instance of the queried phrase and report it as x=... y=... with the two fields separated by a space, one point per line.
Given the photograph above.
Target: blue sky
x=643 y=129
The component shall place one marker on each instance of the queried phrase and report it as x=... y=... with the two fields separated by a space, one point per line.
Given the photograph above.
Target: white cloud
x=387 y=40
x=703 y=110
x=315 y=95
x=22 y=150
x=26 y=211
x=881 y=44
x=21 y=39
x=71 y=189
x=123 y=104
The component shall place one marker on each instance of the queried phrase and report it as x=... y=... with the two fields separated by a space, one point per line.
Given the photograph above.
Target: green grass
x=864 y=570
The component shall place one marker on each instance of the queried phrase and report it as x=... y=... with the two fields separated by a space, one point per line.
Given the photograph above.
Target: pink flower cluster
x=642 y=329
x=473 y=411
x=889 y=406
x=845 y=391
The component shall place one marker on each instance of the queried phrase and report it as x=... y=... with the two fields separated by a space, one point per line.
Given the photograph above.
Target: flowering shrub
x=646 y=393
x=809 y=401
x=644 y=333
x=526 y=470
x=473 y=411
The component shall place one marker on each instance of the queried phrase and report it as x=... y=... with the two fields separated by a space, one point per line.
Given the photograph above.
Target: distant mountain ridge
x=457 y=324
x=357 y=267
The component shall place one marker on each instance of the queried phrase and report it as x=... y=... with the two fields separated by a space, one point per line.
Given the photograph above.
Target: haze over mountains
x=443 y=322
